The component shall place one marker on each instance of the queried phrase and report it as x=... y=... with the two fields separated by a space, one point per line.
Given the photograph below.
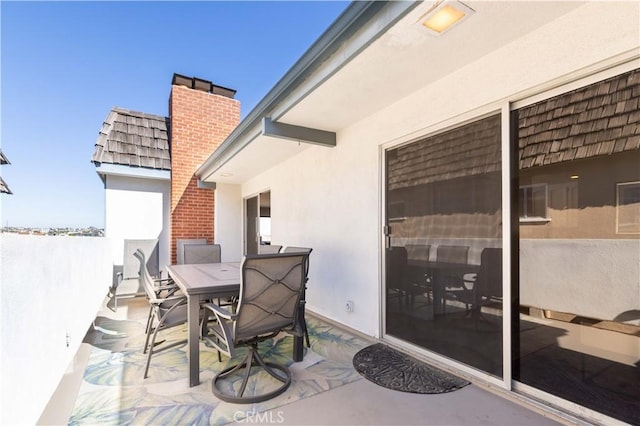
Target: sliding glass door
x=257 y=222
x=579 y=178
x=575 y=260
x=443 y=244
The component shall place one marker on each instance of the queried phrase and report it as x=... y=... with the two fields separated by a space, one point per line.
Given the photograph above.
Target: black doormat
x=392 y=369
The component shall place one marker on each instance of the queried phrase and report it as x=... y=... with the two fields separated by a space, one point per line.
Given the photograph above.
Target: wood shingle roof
x=3 y=158
x=599 y=119
x=470 y=150
x=4 y=188
x=134 y=139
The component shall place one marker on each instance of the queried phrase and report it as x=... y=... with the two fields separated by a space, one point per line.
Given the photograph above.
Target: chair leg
x=148 y=332
x=247 y=363
x=306 y=334
x=149 y=320
x=153 y=340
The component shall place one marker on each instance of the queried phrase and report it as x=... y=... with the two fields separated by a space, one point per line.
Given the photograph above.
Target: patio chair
x=181 y=242
x=271 y=287
x=126 y=282
x=307 y=251
x=268 y=248
x=165 y=286
x=202 y=253
x=168 y=307
x=194 y=253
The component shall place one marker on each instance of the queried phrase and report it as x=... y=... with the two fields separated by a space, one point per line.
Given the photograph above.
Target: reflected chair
x=202 y=253
x=486 y=286
x=307 y=251
x=167 y=306
x=451 y=283
x=397 y=275
x=418 y=254
x=271 y=287
x=268 y=248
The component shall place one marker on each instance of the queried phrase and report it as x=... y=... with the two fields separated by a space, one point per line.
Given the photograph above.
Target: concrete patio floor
x=360 y=402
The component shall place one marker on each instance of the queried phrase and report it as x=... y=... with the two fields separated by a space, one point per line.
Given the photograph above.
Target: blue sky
x=64 y=65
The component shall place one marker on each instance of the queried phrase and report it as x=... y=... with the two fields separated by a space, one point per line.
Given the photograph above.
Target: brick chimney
x=202 y=115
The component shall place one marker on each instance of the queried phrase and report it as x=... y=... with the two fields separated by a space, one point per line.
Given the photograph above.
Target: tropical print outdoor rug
x=114 y=392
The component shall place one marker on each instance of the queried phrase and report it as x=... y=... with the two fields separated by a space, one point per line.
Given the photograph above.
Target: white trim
x=443 y=362
x=534 y=219
x=382 y=243
x=531 y=220
x=505 y=151
x=420 y=352
x=618 y=186
x=129 y=171
x=597 y=72
x=564 y=408
x=451 y=123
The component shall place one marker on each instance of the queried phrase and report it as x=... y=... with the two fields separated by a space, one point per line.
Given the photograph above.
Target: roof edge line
x=353 y=18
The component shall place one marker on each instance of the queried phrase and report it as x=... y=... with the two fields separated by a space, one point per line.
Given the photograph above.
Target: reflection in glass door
x=579 y=324
x=251 y=225
x=444 y=237
x=257 y=222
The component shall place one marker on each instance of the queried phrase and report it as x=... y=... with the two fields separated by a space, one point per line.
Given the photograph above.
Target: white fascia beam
x=297 y=133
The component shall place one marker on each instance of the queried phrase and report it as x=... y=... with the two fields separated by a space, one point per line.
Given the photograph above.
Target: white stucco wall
x=228 y=221
x=137 y=208
x=51 y=288
x=593 y=278
x=330 y=198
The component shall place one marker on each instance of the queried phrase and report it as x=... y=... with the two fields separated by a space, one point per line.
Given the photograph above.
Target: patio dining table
x=202 y=282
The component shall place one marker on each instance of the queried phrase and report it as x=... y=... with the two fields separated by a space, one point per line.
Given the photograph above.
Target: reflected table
x=438 y=271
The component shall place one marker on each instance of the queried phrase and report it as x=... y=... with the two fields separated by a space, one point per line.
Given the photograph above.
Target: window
x=533 y=203
x=628 y=208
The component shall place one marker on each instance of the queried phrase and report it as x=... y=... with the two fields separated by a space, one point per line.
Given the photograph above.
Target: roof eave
x=105 y=169
x=355 y=17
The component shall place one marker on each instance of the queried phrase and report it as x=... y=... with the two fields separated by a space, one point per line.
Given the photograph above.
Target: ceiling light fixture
x=443 y=17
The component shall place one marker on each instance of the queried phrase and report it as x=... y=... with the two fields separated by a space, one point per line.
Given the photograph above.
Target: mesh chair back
x=269 y=248
x=452 y=254
x=145 y=277
x=202 y=253
x=181 y=242
x=305 y=250
x=130 y=267
x=270 y=290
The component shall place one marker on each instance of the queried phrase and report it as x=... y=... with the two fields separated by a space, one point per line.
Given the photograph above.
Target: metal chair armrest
x=219 y=312
x=222 y=339
x=167 y=299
